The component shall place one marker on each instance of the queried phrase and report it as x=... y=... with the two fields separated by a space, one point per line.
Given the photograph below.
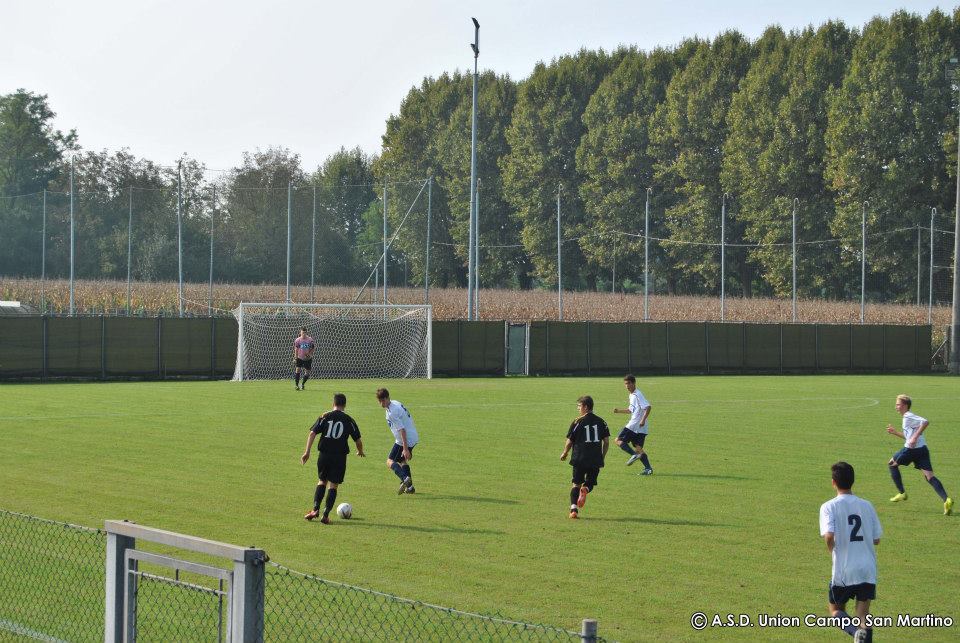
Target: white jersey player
x=850 y=528
x=634 y=434
x=405 y=438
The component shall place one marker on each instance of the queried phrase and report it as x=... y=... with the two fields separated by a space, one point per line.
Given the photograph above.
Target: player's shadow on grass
x=480 y=499
x=654 y=521
x=429 y=530
x=704 y=476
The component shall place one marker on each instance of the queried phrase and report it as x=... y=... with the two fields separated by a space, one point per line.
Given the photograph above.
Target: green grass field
x=728 y=523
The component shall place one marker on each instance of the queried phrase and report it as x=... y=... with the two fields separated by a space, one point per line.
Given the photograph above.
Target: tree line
x=833 y=119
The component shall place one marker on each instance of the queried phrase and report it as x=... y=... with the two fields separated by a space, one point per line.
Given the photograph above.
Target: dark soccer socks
x=645 y=460
x=850 y=628
x=296 y=380
x=897 y=479
x=407 y=474
x=331 y=498
x=303 y=383
x=398 y=471
x=628 y=448
x=318 y=496
x=574 y=495
x=938 y=487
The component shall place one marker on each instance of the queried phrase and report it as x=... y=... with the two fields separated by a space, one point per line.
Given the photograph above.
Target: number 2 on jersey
x=854 y=521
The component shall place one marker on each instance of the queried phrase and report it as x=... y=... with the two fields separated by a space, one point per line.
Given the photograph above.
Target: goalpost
x=352 y=340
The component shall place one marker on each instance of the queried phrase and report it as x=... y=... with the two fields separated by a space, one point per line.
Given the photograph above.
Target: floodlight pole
x=385 y=242
x=918 y=266
x=289 y=232
x=72 y=234
x=796 y=202
x=646 y=257
x=863 y=260
x=213 y=214
x=476 y=252
x=933 y=213
x=954 y=361
x=43 y=258
x=313 y=245
x=723 y=255
x=471 y=248
x=180 y=237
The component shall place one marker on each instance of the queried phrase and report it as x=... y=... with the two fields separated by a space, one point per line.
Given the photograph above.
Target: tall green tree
x=617 y=167
x=687 y=137
x=887 y=124
x=775 y=153
x=544 y=134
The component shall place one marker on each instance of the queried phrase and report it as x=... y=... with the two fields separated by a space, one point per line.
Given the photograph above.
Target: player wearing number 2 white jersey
x=405 y=438
x=850 y=529
x=333 y=427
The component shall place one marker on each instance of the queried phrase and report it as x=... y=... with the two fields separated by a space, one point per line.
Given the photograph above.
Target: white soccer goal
x=352 y=340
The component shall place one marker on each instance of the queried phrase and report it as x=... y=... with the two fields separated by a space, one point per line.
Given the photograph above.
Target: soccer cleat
x=860 y=636
x=633 y=458
x=582 y=499
x=404 y=486
x=313 y=514
x=647 y=472
x=574 y=514
x=410 y=489
x=900 y=497
x=948 y=507
x=325 y=520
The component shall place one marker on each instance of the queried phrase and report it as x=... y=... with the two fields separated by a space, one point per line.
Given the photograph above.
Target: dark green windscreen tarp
x=609 y=348
x=648 y=346
x=131 y=346
x=185 y=345
x=482 y=348
x=867 y=343
x=225 y=346
x=761 y=350
x=688 y=347
x=73 y=347
x=538 y=348
x=799 y=348
x=833 y=347
x=446 y=348
x=568 y=348
x=21 y=346
x=725 y=347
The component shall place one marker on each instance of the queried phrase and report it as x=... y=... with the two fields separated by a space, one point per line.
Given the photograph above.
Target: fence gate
x=518 y=349
x=151 y=597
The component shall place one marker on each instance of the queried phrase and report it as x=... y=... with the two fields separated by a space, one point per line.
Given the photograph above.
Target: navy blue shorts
x=304 y=363
x=634 y=438
x=586 y=475
x=919 y=457
x=840 y=594
x=396 y=453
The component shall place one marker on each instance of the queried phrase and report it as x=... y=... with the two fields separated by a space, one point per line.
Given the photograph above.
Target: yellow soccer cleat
x=948 y=507
x=900 y=497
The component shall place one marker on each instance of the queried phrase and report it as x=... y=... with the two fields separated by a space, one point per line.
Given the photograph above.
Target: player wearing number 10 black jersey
x=589 y=438
x=333 y=427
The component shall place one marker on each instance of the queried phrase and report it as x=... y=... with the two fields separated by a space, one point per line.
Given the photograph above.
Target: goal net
x=352 y=340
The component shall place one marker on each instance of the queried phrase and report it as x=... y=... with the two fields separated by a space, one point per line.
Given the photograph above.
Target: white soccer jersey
x=912 y=423
x=398 y=417
x=638 y=403
x=855 y=526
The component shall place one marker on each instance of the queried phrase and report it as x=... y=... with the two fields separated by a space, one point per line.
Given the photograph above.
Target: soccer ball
x=344 y=510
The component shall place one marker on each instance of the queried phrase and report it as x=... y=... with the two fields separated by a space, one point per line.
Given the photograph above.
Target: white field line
x=16 y=628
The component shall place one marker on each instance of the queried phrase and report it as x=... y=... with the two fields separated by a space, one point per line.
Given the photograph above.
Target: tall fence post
x=794 y=253
x=72 y=235
x=289 y=233
x=426 y=270
x=43 y=258
x=313 y=245
x=117 y=546
x=863 y=260
x=646 y=257
x=559 y=262
x=933 y=214
x=129 y=246
x=918 y=266
x=723 y=256
x=180 y=237
x=213 y=216
x=588 y=630
x=384 y=242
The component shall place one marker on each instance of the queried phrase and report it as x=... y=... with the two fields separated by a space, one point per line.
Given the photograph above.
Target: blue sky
x=215 y=79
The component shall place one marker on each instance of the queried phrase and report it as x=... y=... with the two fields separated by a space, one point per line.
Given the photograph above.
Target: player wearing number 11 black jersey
x=333 y=427
x=589 y=438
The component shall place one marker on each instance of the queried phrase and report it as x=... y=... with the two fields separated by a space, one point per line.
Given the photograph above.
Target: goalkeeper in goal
x=303 y=347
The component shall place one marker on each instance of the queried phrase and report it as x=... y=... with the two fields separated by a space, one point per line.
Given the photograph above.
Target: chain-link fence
x=51 y=579
x=52 y=587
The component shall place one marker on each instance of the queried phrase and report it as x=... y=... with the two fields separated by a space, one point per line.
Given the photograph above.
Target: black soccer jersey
x=334 y=427
x=587 y=434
